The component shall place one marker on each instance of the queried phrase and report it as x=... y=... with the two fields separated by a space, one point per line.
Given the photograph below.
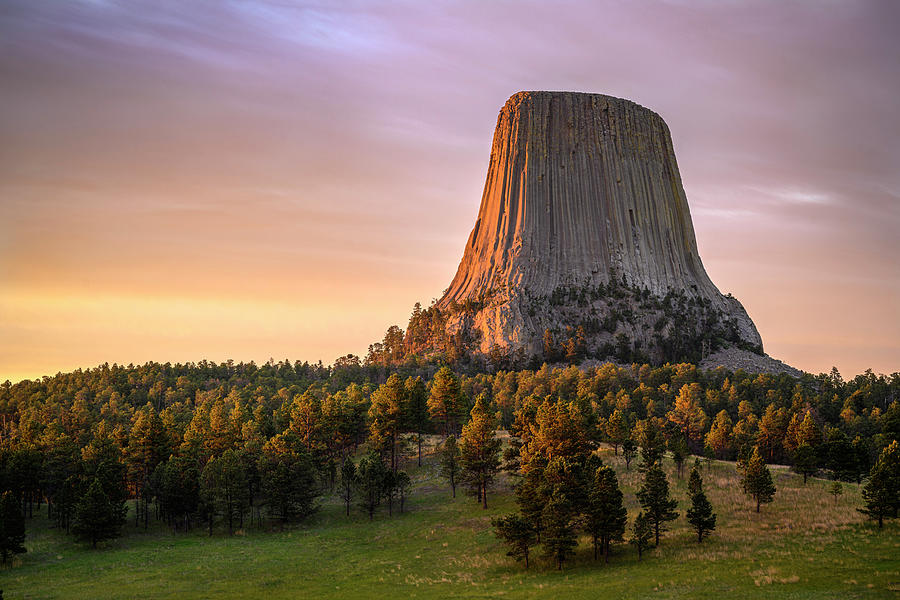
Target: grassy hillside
x=803 y=545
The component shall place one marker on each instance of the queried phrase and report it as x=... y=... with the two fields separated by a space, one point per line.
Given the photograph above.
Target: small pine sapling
x=641 y=533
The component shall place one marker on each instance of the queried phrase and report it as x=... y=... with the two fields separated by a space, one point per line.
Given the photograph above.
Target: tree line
x=226 y=445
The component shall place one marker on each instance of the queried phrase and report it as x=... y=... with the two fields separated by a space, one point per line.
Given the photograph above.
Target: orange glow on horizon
x=180 y=183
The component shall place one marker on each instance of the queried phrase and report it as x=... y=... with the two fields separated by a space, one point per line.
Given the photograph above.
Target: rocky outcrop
x=584 y=231
x=735 y=358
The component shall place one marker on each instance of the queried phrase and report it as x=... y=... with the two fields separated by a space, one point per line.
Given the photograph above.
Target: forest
x=227 y=446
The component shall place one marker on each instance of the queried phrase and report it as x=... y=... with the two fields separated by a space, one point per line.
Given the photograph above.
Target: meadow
x=805 y=544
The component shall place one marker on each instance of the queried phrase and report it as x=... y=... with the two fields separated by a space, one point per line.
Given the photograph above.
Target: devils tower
x=583 y=244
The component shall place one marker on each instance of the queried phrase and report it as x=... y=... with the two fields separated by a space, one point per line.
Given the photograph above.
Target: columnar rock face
x=582 y=194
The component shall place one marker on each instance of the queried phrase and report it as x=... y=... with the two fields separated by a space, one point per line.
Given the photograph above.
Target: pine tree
x=178 y=490
x=719 y=436
x=651 y=441
x=531 y=494
x=223 y=483
x=416 y=410
x=700 y=515
x=385 y=415
x=559 y=536
x=97 y=517
x=479 y=450
x=403 y=483
x=629 y=451
x=805 y=461
x=836 y=490
x=641 y=533
x=450 y=462
x=370 y=482
x=443 y=400
x=655 y=500
x=616 y=430
x=288 y=482
x=679 y=448
x=606 y=515
x=517 y=533
x=148 y=446
x=881 y=493
x=757 y=480
x=12 y=526
x=348 y=482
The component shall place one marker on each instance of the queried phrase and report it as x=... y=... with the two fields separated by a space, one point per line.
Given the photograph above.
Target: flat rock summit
x=583 y=244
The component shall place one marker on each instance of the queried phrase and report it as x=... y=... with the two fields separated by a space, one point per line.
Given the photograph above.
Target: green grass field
x=803 y=545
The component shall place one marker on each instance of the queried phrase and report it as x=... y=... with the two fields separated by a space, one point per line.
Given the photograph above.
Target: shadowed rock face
x=582 y=190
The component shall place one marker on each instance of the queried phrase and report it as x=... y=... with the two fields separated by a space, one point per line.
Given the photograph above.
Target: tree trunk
x=419 y=434
x=757 y=505
x=484 y=496
x=656 y=529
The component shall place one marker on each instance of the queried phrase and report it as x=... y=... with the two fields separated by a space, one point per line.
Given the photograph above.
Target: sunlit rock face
x=584 y=218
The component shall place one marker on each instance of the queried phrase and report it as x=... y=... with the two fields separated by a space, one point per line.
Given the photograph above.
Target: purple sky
x=188 y=180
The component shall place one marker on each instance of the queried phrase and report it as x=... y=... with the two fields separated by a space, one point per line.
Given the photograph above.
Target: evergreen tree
x=416 y=411
x=757 y=480
x=479 y=450
x=651 y=441
x=101 y=461
x=719 y=436
x=805 y=461
x=629 y=451
x=148 y=446
x=616 y=430
x=389 y=490
x=687 y=414
x=288 y=481
x=679 y=448
x=881 y=493
x=178 y=490
x=450 y=467
x=12 y=527
x=559 y=537
x=97 y=517
x=403 y=483
x=385 y=415
x=444 y=400
x=518 y=535
x=836 y=490
x=655 y=500
x=641 y=533
x=531 y=493
x=700 y=515
x=370 y=475
x=606 y=516
x=223 y=484
x=348 y=482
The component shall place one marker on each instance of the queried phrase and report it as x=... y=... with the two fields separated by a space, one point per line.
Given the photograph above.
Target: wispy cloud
x=298 y=150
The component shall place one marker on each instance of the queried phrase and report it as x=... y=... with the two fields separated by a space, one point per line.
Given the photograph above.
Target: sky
x=269 y=179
